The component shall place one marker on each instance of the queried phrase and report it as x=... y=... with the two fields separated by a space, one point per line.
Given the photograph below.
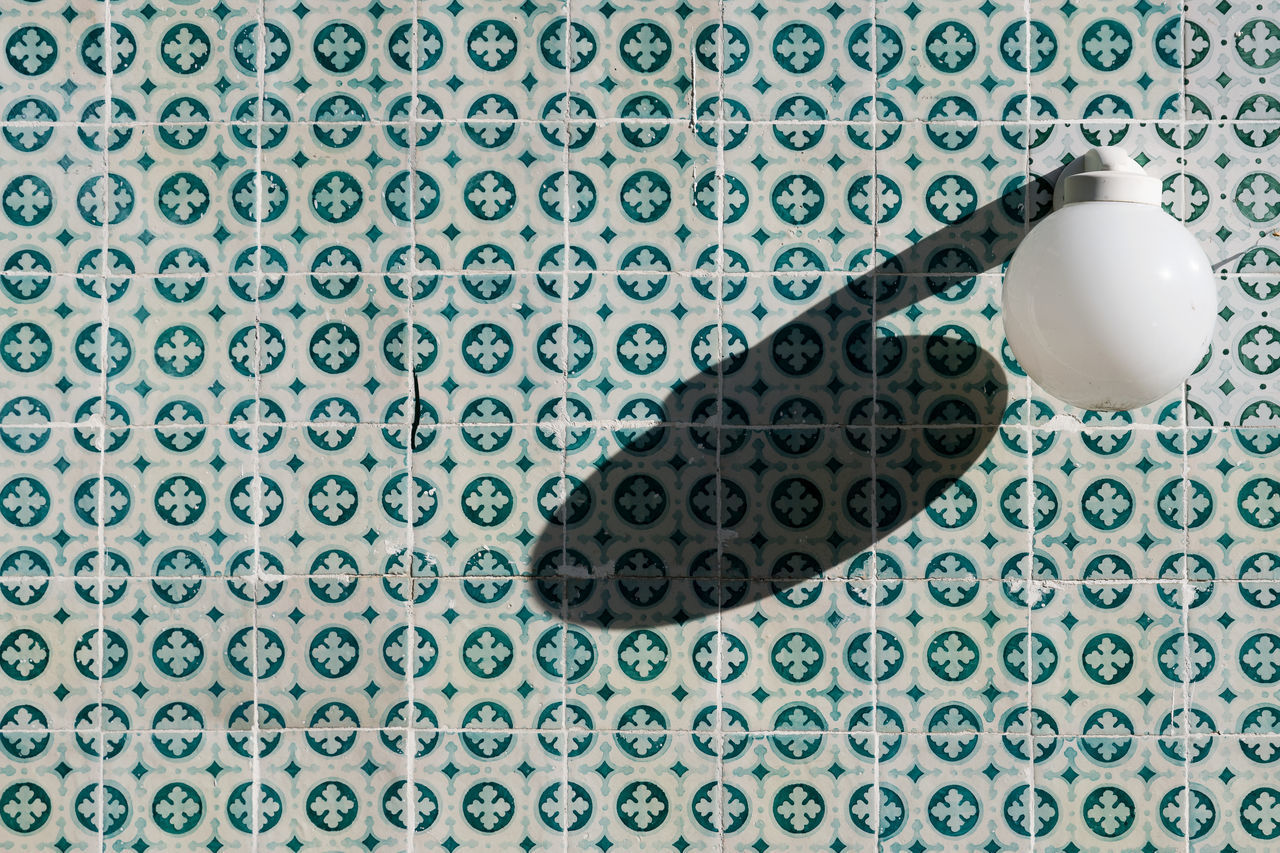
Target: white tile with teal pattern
x=186 y=66
x=937 y=65
x=639 y=61
x=788 y=63
x=589 y=425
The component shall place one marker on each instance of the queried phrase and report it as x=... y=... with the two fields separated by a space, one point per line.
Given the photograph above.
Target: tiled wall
x=496 y=426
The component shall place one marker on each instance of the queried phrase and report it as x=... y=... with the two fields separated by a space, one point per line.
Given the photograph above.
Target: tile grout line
x=1186 y=461
x=260 y=73
x=1185 y=474
x=412 y=409
x=1031 y=594
x=1186 y=590
x=673 y=121
x=566 y=248
x=627 y=426
x=1244 y=737
x=1102 y=583
x=873 y=638
x=104 y=402
x=720 y=179
x=1029 y=575
x=835 y=272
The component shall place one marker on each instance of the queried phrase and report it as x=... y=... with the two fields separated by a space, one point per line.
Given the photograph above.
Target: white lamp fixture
x=1109 y=303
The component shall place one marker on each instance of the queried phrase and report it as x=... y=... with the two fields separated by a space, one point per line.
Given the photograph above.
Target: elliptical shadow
x=709 y=509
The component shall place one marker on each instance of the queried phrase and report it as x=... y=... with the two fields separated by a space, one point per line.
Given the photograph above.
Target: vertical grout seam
x=1186 y=461
x=104 y=307
x=412 y=407
x=1029 y=578
x=721 y=179
x=873 y=590
x=259 y=578
x=561 y=575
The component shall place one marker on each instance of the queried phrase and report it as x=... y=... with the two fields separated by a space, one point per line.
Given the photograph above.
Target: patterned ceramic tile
x=940 y=66
x=1117 y=495
x=1232 y=805
x=58 y=212
x=796 y=217
x=640 y=61
x=955 y=657
x=485 y=499
x=1231 y=387
x=1235 y=503
x=638 y=789
x=185 y=66
x=788 y=64
x=544 y=425
x=1087 y=56
x=52 y=618
x=644 y=200
x=1231 y=48
x=54 y=68
x=1233 y=198
x=1109 y=660
x=184 y=194
x=48 y=515
x=52 y=796
x=1115 y=793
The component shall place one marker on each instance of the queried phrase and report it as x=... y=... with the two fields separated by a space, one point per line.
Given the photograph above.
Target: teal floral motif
x=592 y=425
x=24 y=807
x=1109 y=812
x=31 y=50
x=177 y=808
x=645 y=47
x=1029 y=46
x=1258 y=43
x=798 y=48
x=185 y=48
x=950 y=47
x=953 y=810
x=1106 y=44
x=798 y=808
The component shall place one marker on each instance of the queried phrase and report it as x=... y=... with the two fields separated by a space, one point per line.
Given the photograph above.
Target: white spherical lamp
x=1109 y=302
